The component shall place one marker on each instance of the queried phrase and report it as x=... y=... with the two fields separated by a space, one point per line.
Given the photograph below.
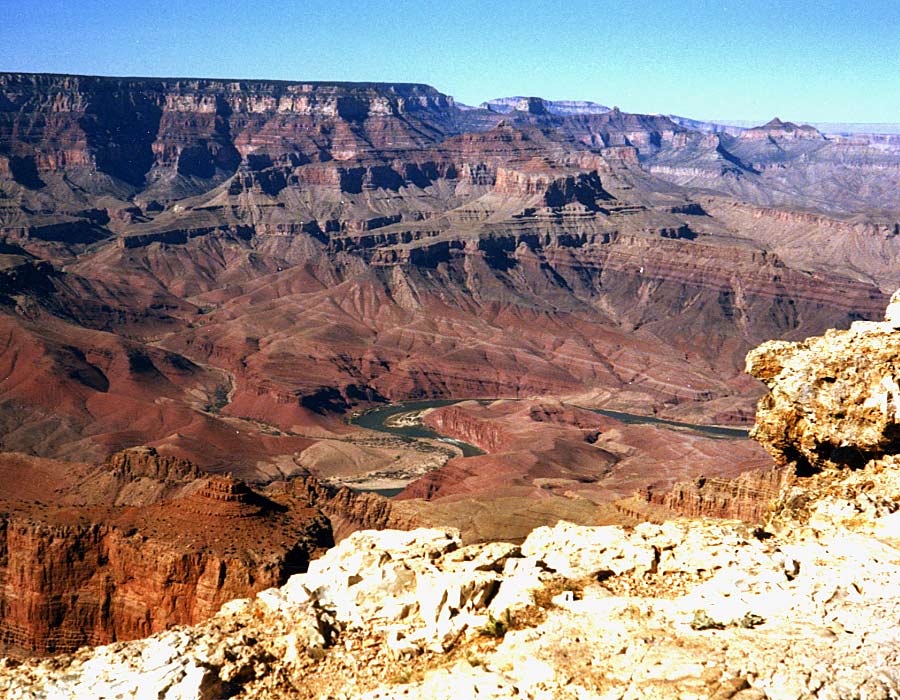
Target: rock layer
x=688 y=608
x=685 y=608
x=750 y=497
x=180 y=544
x=217 y=268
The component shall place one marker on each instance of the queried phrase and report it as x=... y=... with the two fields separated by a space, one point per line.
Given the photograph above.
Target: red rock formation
x=70 y=578
x=777 y=129
x=349 y=510
x=462 y=423
x=95 y=573
x=538 y=448
x=750 y=496
x=217 y=268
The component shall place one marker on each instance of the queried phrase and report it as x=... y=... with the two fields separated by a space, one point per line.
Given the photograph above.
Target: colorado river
x=379 y=419
x=715 y=431
x=391 y=419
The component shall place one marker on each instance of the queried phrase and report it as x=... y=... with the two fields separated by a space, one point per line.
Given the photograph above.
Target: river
x=715 y=431
x=378 y=419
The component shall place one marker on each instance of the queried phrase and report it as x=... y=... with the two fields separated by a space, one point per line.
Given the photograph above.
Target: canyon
x=202 y=280
x=249 y=260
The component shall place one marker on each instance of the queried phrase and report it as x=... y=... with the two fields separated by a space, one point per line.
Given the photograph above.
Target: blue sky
x=808 y=61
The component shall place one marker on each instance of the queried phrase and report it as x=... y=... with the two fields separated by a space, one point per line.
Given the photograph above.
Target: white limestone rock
x=575 y=551
x=892 y=313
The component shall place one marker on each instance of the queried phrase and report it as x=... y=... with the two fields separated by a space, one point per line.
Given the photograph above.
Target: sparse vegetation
x=703 y=621
x=749 y=621
x=474 y=660
x=497 y=628
x=219 y=399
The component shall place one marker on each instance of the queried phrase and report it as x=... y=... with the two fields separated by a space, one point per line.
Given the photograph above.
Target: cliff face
x=777 y=129
x=548 y=460
x=750 y=497
x=136 y=129
x=831 y=407
x=686 y=608
x=461 y=424
x=68 y=586
x=93 y=574
x=681 y=609
x=349 y=511
x=214 y=267
x=136 y=476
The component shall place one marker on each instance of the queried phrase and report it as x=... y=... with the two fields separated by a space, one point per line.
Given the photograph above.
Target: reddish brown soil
x=222 y=272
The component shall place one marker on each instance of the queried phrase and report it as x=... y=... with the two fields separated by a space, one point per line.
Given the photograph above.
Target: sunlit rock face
x=683 y=609
x=834 y=400
x=285 y=252
x=803 y=608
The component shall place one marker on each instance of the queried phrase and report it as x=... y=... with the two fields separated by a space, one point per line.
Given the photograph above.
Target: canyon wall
x=751 y=496
x=223 y=269
x=91 y=574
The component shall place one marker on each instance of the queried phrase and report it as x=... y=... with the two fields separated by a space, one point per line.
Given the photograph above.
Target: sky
x=836 y=61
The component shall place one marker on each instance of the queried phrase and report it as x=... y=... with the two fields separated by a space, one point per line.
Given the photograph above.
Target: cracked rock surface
x=687 y=609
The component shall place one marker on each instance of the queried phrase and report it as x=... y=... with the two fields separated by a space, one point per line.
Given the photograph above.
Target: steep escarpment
x=777 y=129
x=859 y=246
x=787 y=165
x=222 y=269
x=136 y=476
x=179 y=544
x=576 y=612
x=347 y=510
x=751 y=496
x=140 y=130
x=830 y=408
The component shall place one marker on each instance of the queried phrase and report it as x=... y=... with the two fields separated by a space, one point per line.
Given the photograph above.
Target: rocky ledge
x=804 y=607
x=833 y=401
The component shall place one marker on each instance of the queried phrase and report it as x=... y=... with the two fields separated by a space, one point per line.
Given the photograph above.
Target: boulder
x=834 y=400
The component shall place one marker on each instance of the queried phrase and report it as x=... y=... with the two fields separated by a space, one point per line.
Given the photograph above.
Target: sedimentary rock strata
x=548 y=452
x=682 y=609
x=178 y=543
x=221 y=268
x=751 y=496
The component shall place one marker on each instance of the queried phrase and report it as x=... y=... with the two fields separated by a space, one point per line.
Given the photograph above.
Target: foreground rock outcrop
x=834 y=400
x=686 y=609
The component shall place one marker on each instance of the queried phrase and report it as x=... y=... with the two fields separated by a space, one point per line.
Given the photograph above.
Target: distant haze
x=826 y=127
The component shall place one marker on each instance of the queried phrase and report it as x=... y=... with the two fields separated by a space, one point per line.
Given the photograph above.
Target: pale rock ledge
x=687 y=609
